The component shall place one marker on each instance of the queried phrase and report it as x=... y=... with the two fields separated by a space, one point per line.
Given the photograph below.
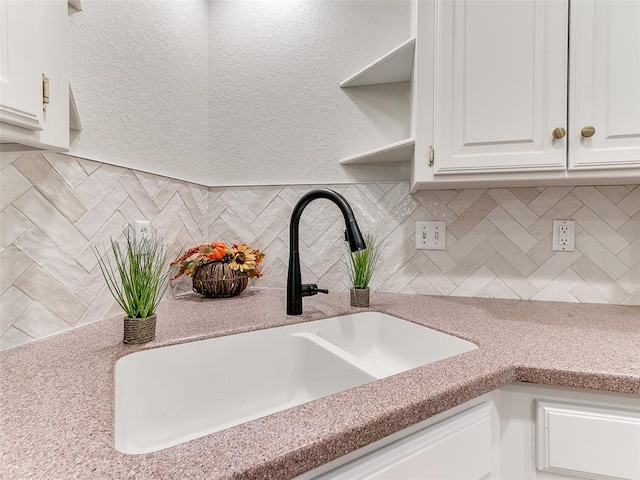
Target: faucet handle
x=310 y=289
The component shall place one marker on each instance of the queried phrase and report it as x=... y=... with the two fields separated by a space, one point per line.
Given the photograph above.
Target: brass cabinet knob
x=587 y=132
x=559 y=133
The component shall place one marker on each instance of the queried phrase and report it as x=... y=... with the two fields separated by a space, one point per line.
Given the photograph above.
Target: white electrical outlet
x=431 y=235
x=141 y=229
x=564 y=235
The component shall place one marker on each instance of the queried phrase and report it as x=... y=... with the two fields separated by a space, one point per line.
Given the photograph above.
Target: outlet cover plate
x=431 y=235
x=564 y=235
x=141 y=229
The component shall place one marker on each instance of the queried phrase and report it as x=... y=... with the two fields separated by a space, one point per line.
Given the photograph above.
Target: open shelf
x=396 y=152
x=395 y=66
x=74 y=115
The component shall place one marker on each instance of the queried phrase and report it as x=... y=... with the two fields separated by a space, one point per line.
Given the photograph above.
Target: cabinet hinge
x=431 y=155
x=45 y=92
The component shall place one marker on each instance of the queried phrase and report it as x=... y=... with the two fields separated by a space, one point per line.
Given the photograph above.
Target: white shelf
x=396 y=152
x=395 y=66
x=76 y=4
x=74 y=115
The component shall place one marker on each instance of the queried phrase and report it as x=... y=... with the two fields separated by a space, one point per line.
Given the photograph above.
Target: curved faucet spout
x=295 y=290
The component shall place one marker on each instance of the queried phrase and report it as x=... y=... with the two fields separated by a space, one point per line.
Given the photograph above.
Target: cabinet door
x=590 y=441
x=605 y=84
x=20 y=80
x=458 y=448
x=501 y=86
x=33 y=36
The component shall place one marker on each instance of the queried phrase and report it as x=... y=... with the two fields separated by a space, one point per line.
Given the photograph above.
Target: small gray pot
x=139 y=330
x=360 y=297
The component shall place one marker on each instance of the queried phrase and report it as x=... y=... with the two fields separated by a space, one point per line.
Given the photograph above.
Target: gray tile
x=474 y=283
x=472 y=262
x=601 y=205
x=190 y=203
x=435 y=206
x=631 y=229
x=526 y=194
x=12 y=303
x=89 y=166
x=630 y=256
x=599 y=255
x=42 y=175
x=430 y=271
x=42 y=250
x=511 y=277
x=98 y=182
x=148 y=182
x=476 y=236
x=599 y=280
x=67 y=167
x=7 y=158
x=166 y=193
x=99 y=308
x=512 y=229
x=38 y=322
x=112 y=229
x=631 y=203
x=138 y=194
x=131 y=212
x=560 y=211
x=13 y=263
x=466 y=199
x=12 y=225
x=12 y=185
x=51 y=294
x=13 y=338
x=553 y=267
x=513 y=206
x=472 y=215
x=549 y=198
x=600 y=230
x=512 y=253
x=102 y=210
x=41 y=212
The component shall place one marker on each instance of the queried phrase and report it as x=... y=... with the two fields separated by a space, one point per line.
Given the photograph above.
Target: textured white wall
x=139 y=74
x=143 y=73
x=276 y=113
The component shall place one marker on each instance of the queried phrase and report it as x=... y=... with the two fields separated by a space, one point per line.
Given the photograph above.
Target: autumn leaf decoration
x=239 y=257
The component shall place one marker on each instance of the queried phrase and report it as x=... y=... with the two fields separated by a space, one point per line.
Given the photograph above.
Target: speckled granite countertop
x=57 y=394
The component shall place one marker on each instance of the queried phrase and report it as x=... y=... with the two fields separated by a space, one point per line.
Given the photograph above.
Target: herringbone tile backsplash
x=55 y=208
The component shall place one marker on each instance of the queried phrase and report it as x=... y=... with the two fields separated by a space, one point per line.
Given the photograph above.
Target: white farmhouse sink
x=170 y=395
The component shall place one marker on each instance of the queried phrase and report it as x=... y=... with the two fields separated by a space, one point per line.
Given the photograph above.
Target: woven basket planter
x=360 y=297
x=139 y=330
x=219 y=280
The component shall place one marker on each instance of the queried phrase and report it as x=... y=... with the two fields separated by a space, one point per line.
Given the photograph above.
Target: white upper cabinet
x=501 y=78
x=604 y=85
x=526 y=92
x=19 y=75
x=33 y=52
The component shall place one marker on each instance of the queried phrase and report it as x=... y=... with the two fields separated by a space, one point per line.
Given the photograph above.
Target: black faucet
x=295 y=289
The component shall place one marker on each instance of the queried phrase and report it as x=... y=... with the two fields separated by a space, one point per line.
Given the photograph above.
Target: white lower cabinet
x=552 y=433
x=519 y=432
x=576 y=439
x=456 y=448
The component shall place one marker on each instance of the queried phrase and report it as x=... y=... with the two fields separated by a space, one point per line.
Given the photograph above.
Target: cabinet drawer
x=587 y=441
x=457 y=448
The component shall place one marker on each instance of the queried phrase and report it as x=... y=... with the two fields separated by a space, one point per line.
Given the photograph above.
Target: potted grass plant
x=137 y=273
x=361 y=265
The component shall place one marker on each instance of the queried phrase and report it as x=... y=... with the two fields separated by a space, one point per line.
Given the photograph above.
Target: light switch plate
x=431 y=235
